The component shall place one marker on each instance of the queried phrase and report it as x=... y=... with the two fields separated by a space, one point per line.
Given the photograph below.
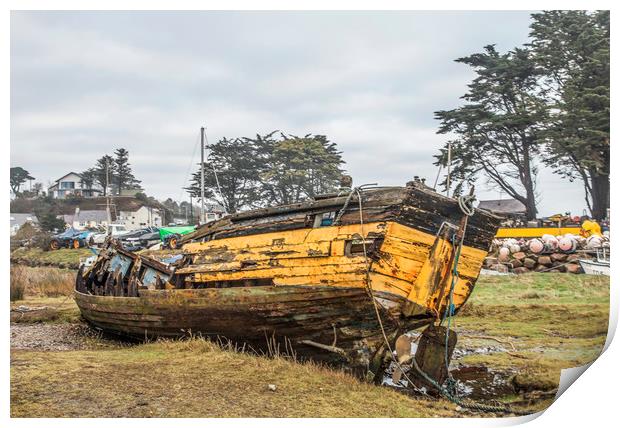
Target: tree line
x=271 y=169
x=111 y=173
x=544 y=103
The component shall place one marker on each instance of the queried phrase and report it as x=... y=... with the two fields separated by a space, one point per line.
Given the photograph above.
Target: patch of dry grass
x=42 y=281
x=48 y=309
x=195 y=378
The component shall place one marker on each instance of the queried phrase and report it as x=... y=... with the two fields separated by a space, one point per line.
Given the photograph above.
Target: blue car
x=70 y=238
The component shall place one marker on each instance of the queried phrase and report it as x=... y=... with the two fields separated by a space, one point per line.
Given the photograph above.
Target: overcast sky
x=85 y=83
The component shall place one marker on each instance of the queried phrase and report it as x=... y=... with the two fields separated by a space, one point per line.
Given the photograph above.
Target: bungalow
x=83 y=219
x=72 y=184
x=139 y=217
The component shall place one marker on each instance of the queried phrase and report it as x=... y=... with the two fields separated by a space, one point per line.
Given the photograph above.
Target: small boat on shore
x=598 y=266
x=334 y=279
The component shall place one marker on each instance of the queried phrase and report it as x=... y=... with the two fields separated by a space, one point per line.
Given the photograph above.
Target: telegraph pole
x=202 y=175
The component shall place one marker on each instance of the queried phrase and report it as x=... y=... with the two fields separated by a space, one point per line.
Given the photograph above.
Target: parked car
x=83 y=238
x=70 y=238
x=170 y=236
x=140 y=239
x=114 y=230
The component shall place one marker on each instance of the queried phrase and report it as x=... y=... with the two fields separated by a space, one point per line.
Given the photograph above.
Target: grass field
x=537 y=324
x=64 y=257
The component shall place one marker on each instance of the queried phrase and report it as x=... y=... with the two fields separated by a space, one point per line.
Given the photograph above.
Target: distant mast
x=202 y=175
x=449 y=162
x=107 y=191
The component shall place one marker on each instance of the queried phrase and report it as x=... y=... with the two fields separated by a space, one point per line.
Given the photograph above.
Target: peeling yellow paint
x=403 y=265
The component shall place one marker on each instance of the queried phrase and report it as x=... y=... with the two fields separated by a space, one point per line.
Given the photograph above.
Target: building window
x=67 y=184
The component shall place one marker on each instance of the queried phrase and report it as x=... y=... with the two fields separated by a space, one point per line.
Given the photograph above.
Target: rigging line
x=371 y=293
x=217 y=180
x=189 y=168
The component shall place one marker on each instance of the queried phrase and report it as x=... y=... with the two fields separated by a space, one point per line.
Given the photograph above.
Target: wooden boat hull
x=295 y=319
x=304 y=274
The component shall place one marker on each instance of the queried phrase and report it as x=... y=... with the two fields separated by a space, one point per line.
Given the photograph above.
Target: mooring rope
x=465 y=203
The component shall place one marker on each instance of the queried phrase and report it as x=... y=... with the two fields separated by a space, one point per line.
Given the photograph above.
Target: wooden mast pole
x=449 y=162
x=202 y=176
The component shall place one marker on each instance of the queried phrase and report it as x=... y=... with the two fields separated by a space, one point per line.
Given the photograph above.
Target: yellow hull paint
x=534 y=232
x=316 y=256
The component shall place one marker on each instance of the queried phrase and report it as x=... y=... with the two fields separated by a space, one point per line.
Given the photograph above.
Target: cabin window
x=355 y=247
x=324 y=219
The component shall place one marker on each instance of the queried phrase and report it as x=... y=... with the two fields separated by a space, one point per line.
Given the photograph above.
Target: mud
x=58 y=337
x=480 y=382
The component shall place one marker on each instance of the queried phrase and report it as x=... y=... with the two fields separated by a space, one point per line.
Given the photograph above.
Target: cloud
x=85 y=83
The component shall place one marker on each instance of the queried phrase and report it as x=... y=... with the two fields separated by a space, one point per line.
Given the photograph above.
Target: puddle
x=474 y=382
x=482 y=350
x=478 y=382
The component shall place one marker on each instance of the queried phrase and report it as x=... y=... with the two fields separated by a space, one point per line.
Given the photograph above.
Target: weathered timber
x=305 y=316
x=432 y=354
x=288 y=274
x=412 y=206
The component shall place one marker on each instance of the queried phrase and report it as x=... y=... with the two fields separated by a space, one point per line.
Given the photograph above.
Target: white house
x=83 y=219
x=72 y=184
x=141 y=217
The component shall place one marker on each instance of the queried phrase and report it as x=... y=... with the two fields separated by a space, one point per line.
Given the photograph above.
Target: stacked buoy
x=548 y=253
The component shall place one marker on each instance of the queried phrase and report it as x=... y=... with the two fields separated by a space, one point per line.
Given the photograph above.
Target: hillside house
x=71 y=184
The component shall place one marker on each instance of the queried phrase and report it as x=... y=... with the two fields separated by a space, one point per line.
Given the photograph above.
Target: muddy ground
x=515 y=335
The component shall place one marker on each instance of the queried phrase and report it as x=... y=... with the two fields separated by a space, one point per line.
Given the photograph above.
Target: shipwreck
x=336 y=279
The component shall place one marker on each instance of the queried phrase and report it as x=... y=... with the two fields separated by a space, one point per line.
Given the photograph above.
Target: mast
x=107 y=192
x=449 y=162
x=191 y=209
x=202 y=175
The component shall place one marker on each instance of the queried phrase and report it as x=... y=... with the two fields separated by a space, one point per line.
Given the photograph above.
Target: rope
x=468 y=405
x=465 y=203
x=217 y=180
x=370 y=290
x=344 y=207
